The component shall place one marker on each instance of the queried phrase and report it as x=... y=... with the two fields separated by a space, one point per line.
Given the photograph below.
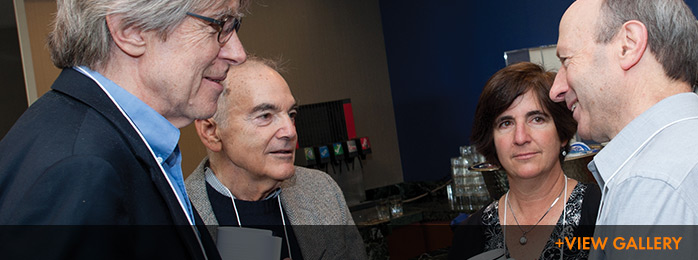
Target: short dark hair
x=499 y=93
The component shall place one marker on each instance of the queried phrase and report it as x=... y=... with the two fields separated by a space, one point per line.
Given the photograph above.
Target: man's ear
x=129 y=39
x=207 y=129
x=633 y=43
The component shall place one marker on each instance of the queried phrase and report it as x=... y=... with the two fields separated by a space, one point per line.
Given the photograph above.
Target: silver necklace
x=523 y=239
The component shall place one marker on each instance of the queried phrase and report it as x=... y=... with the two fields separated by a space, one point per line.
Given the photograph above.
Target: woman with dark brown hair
x=518 y=128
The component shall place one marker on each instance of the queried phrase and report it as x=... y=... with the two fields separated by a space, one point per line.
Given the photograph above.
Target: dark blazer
x=72 y=159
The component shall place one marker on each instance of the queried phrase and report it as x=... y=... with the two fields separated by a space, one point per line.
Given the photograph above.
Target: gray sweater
x=315 y=206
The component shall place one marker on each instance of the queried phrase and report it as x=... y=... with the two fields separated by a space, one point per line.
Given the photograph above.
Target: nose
x=232 y=51
x=560 y=86
x=287 y=129
x=521 y=135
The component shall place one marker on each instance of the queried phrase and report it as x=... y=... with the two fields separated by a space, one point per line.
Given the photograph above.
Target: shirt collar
x=633 y=135
x=160 y=134
x=212 y=180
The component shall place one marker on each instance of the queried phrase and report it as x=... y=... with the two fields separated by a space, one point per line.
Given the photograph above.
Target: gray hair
x=220 y=117
x=672 y=32
x=80 y=35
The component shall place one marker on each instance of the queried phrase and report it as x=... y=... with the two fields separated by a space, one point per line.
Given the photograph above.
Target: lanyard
x=283 y=221
x=603 y=194
x=219 y=187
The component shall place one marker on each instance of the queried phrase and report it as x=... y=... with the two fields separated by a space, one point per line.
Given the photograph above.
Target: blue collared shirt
x=161 y=135
x=649 y=171
x=648 y=175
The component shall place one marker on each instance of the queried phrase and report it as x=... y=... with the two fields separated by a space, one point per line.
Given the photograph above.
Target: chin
x=528 y=173
x=584 y=135
x=202 y=111
x=286 y=172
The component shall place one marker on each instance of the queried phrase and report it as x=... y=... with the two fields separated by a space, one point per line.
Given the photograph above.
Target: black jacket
x=73 y=160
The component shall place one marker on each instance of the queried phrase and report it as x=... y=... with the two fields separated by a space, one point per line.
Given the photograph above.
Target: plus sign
x=559 y=243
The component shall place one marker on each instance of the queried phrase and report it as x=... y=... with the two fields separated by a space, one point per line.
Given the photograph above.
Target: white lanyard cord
x=189 y=218
x=603 y=194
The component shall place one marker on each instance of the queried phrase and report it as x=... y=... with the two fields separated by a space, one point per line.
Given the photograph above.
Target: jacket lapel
x=84 y=89
x=299 y=215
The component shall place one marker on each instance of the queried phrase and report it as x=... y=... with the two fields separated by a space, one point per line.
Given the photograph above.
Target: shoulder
x=478 y=219
x=310 y=181
x=591 y=191
x=590 y=196
x=307 y=173
x=312 y=197
x=195 y=184
x=488 y=215
x=469 y=236
x=74 y=118
x=197 y=177
x=640 y=200
x=588 y=192
x=309 y=178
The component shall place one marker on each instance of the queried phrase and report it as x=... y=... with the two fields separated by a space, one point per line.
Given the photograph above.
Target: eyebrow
x=536 y=112
x=528 y=114
x=263 y=107
x=503 y=118
x=268 y=106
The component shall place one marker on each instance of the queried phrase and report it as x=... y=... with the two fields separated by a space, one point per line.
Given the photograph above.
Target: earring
x=564 y=153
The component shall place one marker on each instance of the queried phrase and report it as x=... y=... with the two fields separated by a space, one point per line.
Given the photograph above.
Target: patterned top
x=580 y=215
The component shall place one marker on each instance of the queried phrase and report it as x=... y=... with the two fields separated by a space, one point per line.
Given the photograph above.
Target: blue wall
x=440 y=54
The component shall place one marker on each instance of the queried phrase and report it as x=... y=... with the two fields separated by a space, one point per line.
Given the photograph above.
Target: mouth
x=282 y=152
x=573 y=105
x=216 y=75
x=215 y=79
x=524 y=156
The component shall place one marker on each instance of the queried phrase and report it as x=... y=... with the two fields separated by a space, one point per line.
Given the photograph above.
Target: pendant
x=523 y=240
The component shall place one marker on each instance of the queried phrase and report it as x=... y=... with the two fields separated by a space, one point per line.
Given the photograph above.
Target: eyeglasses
x=225 y=27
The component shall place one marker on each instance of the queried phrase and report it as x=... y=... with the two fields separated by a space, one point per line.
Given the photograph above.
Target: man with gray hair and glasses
x=100 y=149
x=628 y=71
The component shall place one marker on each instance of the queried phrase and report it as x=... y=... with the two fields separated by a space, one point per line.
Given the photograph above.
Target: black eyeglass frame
x=219 y=25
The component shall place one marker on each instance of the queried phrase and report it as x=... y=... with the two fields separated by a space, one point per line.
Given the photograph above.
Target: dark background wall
x=440 y=54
